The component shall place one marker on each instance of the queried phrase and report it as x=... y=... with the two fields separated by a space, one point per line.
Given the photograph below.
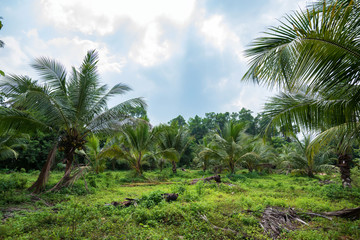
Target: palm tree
x=172 y=142
x=317 y=49
x=94 y=153
x=73 y=105
x=204 y=154
x=134 y=145
x=227 y=144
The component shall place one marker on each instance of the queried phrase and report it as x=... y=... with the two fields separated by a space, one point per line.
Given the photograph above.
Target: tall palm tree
x=317 y=49
x=73 y=105
x=172 y=143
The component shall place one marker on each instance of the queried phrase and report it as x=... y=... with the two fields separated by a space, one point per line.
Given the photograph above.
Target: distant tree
x=136 y=112
x=179 y=120
x=197 y=129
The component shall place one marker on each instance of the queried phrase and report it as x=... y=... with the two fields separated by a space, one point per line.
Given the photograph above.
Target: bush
x=15 y=181
x=335 y=191
x=153 y=199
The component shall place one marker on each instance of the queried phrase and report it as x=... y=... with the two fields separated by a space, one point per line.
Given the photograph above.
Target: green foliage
x=69 y=214
x=12 y=182
x=152 y=199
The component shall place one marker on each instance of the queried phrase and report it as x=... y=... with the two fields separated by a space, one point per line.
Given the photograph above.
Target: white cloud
x=151 y=50
x=250 y=97
x=12 y=57
x=68 y=51
x=101 y=17
x=220 y=35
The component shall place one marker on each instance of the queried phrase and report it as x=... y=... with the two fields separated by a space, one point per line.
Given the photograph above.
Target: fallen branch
x=350 y=213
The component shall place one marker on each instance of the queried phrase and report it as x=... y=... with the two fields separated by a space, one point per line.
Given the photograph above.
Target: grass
x=75 y=214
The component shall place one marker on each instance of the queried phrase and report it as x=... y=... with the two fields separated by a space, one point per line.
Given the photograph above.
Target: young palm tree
x=227 y=144
x=73 y=105
x=172 y=142
x=134 y=145
x=94 y=153
x=204 y=154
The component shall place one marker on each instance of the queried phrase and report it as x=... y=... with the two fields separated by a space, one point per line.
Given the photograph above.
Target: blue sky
x=183 y=56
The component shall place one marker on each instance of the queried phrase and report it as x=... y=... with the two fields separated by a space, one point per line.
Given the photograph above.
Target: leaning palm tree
x=72 y=105
x=318 y=49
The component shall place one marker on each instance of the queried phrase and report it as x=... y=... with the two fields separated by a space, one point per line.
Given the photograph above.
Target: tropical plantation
x=72 y=166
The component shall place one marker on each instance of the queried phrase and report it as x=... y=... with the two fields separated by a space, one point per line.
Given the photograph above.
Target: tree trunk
x=344 y=165
x=173 y=166
x=232 y=167
x=65 y=180
x=40 y=183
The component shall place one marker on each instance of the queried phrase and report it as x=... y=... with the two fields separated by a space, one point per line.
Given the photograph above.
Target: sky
x=184 y=57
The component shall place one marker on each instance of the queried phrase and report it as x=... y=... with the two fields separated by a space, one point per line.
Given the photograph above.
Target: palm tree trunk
x=65 y=180
x=40 y=183
x=344 y=165
x=138 y=165
x=232 y=166
x=173 y=166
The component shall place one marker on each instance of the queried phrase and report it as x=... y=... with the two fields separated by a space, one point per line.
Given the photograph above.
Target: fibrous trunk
x=344 y=166
x=65 y=180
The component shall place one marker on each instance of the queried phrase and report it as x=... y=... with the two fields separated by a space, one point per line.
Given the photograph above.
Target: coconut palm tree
x=94 y=153
x=73 y=105
x=227 y=145
x=204 y=154
x=172 y=143
x=319 y=50
x=135 y=145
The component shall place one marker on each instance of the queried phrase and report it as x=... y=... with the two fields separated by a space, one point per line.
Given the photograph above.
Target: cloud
x=19 y=52
x=151 y=50
x=219 y=35
x=101 y=17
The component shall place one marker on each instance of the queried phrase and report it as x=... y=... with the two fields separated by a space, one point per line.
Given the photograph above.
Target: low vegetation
x=80 y=212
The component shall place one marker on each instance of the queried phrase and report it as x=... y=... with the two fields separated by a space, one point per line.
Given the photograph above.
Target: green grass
x=75 y=214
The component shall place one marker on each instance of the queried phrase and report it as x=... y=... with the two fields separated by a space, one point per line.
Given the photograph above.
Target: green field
x=236 y=204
